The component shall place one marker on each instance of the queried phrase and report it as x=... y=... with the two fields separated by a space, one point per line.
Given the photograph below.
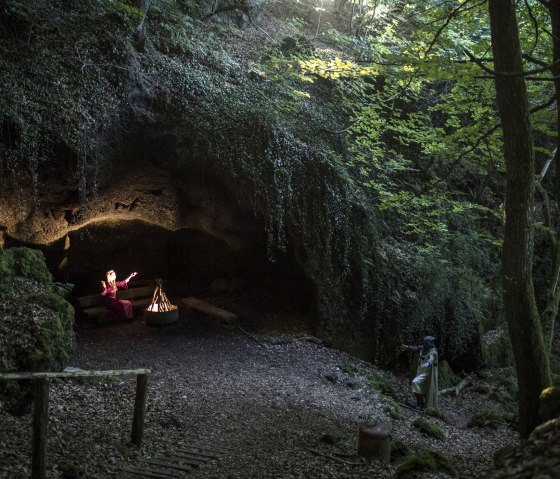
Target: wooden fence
x=41 y=408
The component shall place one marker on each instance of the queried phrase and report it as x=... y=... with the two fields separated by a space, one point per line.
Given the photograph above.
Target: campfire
x=160 y=303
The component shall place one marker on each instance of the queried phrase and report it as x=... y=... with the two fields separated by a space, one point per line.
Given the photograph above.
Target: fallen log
x=456 y=390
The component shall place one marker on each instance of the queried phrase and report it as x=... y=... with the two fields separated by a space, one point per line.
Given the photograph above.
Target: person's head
x=428 y=342
x=111 y=276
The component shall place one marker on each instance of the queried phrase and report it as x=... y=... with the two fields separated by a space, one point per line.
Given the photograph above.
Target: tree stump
x=374 y=440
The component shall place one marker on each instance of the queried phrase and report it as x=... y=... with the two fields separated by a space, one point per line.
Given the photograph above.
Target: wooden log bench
x=94 y=307
x=208 y=309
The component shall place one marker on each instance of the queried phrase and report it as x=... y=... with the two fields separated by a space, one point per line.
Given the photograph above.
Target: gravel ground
x=266 y=406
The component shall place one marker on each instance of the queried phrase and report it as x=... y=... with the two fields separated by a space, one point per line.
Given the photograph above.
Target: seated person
x=119 y=309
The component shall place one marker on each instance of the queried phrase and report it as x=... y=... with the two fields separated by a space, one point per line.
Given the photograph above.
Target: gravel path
x=266 y=406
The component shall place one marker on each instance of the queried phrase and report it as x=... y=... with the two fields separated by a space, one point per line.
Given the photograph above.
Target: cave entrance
x=191 y=263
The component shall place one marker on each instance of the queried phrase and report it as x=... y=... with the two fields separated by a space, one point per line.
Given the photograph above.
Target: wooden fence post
x=40 y=425
x=139 y=409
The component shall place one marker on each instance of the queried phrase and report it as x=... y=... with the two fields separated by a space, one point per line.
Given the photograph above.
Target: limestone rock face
x=156 y=212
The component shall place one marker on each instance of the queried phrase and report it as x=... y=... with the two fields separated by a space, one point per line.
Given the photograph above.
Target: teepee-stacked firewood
x=160 y=302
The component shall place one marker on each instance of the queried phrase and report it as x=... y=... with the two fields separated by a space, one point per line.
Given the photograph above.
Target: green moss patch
x=492 y=418
x=381 y=384
x=433 y=412
x=426 y=461
x=429 y=428
x=391 y=407
x=549 y=402
x=399 y=450
x=36 y=331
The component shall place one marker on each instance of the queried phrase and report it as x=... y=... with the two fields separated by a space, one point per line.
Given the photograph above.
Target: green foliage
x=425 y=461
x=429 y=428
x=63 y=289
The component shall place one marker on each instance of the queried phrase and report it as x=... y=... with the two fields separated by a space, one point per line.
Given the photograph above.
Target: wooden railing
x=41 y=407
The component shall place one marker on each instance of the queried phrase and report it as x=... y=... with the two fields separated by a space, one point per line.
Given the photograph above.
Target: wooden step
x=207 y=308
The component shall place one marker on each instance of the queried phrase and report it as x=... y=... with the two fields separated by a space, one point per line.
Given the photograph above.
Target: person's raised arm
x=104 y=286
x=405 y=347
x=130 y=277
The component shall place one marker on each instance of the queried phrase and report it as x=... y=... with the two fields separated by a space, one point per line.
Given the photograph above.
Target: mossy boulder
x=425 y=461
x=36 y=325
x=492 y=418
x=549 y=403
x=24 y=262
x=429 y=428
x=502 y=454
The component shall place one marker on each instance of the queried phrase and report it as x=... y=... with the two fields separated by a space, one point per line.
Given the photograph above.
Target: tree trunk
x=551 y=312
x=533 y=370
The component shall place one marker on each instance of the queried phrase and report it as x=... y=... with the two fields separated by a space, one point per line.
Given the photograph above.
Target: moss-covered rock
x=426 y=461
x=429 y=428
x=502 y=454
x=36 y=324
x=25 y=262
x=549 y=403
x=492 y=418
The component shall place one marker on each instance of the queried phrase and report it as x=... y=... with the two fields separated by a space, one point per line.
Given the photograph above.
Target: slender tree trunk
x=533 y=371
x=551 y=312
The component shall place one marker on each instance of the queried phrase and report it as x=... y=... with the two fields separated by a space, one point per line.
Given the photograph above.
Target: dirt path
x=269 y=406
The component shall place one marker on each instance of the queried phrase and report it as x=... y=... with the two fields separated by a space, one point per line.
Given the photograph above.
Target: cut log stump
x=374 y=440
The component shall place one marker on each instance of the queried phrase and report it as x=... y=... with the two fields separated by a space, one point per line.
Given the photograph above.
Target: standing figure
x=425 y=383
x=119 y=309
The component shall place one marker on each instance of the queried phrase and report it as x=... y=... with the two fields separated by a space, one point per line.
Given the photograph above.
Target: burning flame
x=160 y=303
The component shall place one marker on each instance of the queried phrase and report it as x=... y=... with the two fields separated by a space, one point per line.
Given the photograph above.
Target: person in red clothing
x=119 y=309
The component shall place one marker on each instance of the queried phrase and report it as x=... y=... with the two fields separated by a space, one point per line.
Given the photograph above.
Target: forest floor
x=267 y=406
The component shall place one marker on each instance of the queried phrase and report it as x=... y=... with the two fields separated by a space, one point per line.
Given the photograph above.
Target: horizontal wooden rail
x=41 y=407
x=71 y=374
